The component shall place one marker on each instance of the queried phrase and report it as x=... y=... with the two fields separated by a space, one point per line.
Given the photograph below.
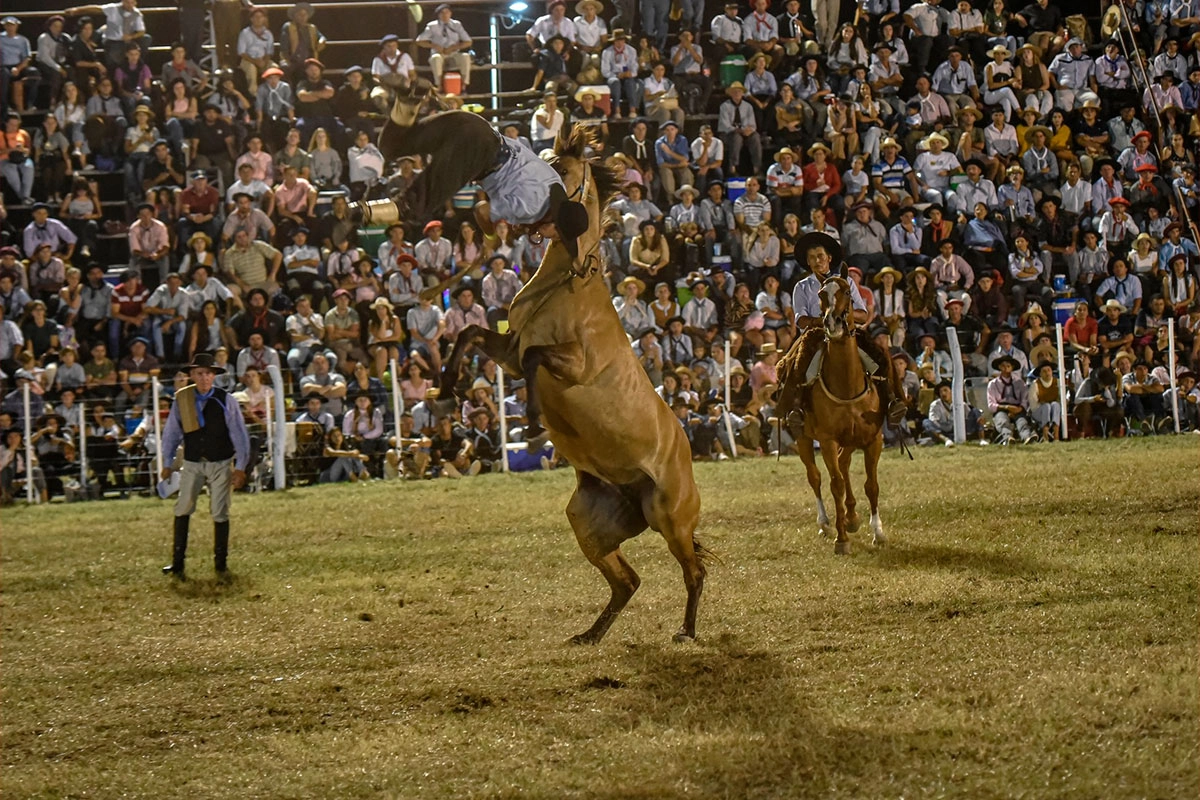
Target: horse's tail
x=704 y=555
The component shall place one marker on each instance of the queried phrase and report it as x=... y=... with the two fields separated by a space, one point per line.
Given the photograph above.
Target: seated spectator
x=739 y=128
x=257 y=315
x=212 y=144
x=366 y=166
x=939 y=424
x=40 y=334
x=426 y=326
x=299 y=39
x=46 y=275
x=328 y=385
x=251 y=264
x=353 y=103
x=1006 y=346
x=257 y=355
x=131 y=79
x=135 y=373
x=248 y=220
x=326 y=162
x=451 y=451
x=161 y=171
x=314 y=413
x=385 y=336
x=259 y=192
x=1126 y=289
x=180 y=114
x=16 y=162
x=13 y=298
x=169 y=307
x=1008 y=400
x=500 y=286
x=393 y=70
x=295 y=203
x=295 y=156
x=1142 y=400
x=256 y=48
x=208 y=331
x=314 y=101
x=339 y=461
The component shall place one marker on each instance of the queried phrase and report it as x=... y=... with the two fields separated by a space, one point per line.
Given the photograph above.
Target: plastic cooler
x=735 y=188
x=452 y=83
x=1063 y=309
x=603 y=97
x=733 y=68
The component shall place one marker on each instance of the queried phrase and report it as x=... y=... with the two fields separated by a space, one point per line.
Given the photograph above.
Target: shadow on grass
x=735 y=720
x=954 y=559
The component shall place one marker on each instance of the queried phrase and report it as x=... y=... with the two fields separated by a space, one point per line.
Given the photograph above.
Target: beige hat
x=583 y=4
x=735 y=85
x=787 y=151
x=938 y=137
x=889 y=142
x=687 y=187
x=641 y=286
x=999 y=50
x=382 y=301
x=819 y=146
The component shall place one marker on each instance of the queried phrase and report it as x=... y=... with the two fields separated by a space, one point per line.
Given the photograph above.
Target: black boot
x=221 y=547
x=180 y=549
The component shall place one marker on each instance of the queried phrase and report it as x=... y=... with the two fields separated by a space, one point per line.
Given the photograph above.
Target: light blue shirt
x=806 y=297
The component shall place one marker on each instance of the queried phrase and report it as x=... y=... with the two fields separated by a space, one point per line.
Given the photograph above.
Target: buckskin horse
x=631 y=457
x=844 y=412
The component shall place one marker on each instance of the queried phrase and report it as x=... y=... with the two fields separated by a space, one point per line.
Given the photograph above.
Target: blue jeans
x=176 y=334
x=625 y=88
x=301 y=355
x=655 y=19
x=18 y=176
x=120 y=332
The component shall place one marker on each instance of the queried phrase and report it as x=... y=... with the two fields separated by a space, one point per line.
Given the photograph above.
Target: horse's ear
x=844 y=274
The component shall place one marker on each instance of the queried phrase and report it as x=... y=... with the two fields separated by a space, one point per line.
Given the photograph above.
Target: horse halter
x=830 y=288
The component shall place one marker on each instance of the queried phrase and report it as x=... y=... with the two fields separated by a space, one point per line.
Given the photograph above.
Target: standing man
x=216 y=450
x=448 y=43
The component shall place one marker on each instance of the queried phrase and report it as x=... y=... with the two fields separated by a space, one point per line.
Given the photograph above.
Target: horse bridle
x=590 y=264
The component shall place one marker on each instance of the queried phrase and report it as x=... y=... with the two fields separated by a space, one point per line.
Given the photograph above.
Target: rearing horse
x=844 y=414
x=631 y=457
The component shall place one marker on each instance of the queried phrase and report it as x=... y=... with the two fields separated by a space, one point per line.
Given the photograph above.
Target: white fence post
x=958 y=407
x=83 y=479
x=158 y=457
x=728 y=394
x=29 y=493
x=503 y=419
x=279 y=465
x=397 y=402
x=1062 y=383
x=1171 y=367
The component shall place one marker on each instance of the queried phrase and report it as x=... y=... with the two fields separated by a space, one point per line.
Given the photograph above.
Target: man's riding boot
x=180 y=548
x=220 y=546
x=896 y=411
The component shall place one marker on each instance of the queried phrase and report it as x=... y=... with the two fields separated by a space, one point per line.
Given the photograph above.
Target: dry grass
x=1031 y=632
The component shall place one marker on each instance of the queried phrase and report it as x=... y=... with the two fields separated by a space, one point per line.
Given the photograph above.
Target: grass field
x=1031 y=631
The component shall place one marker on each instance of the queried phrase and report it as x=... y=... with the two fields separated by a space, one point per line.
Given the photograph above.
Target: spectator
x=299 y=39
x=247 y=219
x=19 y=78
x=252 y=264
x=44 y=230
x=1008 y=400
x=135 y=373
x=314 y=96
x=169 y=307
x=212 y=145
x=16 y=164
x=149 y=244
x=326 y=384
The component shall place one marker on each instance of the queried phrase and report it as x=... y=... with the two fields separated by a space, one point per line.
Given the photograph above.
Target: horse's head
x=836 y=307
x=589 y=186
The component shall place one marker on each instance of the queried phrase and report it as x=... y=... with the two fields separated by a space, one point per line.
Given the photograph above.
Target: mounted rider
x=820 y=251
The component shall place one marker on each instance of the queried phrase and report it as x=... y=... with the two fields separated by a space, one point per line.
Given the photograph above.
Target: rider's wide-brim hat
x=205 y=361
x=815 y=239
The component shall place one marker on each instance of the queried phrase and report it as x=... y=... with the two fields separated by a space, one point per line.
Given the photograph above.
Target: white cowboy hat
x=1113 y=303
x=582 y=4
x=687 y=187
x=939 y=137
x=999 y=50
x=585 y=90
x=787 y=151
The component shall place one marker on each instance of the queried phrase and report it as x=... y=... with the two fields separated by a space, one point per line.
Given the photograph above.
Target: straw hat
x=819 y=146
x=735 y=85
x=999 y=50
x=687 y=187
x=641 y=286
x=1034 y=310
x=582 y=5
x=583 y=91
x=787 y=151
x=200 y=235
x=1029 y=132
x=383 y=302
x=889 y=142
x=938 y=137
x=878 y=279
x=481 y=383
x=144 y=109
x=1111 y=304
x=972 y=110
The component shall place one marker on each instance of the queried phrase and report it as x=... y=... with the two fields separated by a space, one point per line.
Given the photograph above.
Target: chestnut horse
x=632 y=460
x=844 y=414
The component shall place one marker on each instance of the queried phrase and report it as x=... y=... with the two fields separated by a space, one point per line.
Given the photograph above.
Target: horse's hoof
x=683 y=637
x=538 y=443
x=824 y=530
x=853 y=524
x=584 y=638
x=841 y=548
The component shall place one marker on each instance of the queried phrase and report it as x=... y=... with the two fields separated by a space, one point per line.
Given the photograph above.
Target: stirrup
x=896 y=411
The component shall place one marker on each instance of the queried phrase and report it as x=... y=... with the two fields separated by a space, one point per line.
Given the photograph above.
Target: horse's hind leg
x=853 y=520
x=871 y=457
x=837 y=486
x=675 y=512
x=602 y=518
x=809 y=457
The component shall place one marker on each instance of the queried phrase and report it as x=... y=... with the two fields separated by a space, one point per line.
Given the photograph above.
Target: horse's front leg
x=565 y=361
x=837 y=486
x=500 y=346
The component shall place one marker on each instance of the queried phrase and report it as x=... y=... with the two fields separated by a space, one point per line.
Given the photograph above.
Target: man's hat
x=786 y=151
x=735 y=85
x=1118 y=201
x=205 y=361
x=271 y=71
x=313 y=62
x=816 y=239
x=435 y=223
x=1142 y=135
x=998 y=362
x=1145 y=168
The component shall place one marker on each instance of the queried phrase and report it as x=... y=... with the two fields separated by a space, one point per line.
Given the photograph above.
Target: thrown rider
x=461 y=148
x=820 y=251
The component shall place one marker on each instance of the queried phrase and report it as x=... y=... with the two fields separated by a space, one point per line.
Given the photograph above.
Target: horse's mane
x=576 y=145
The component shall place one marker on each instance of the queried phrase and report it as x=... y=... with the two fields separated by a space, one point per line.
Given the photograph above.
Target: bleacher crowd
x=986 y=169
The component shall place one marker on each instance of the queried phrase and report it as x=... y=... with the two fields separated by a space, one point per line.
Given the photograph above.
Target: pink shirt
x=264 y=166
x=147 y=238
x=294 y=199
